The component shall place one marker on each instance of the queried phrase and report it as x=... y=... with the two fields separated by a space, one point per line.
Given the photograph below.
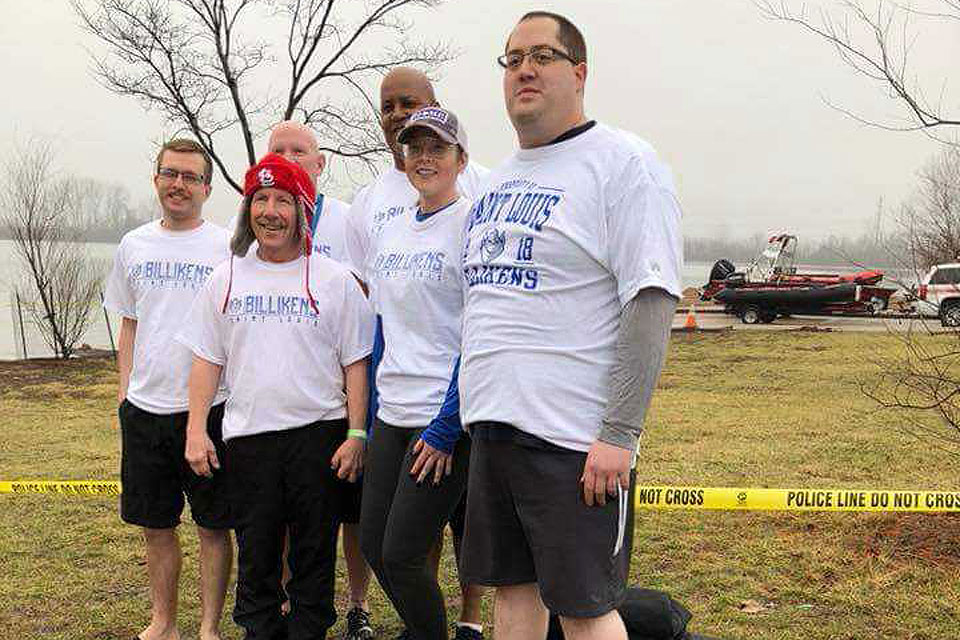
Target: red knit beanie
x=277 y=172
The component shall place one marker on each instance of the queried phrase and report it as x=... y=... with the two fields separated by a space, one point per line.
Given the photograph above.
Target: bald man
x=402 y=92
x=298 y=143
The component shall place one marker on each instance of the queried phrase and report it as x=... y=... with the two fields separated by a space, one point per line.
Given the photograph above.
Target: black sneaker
x=466 y=633
x=358 y=625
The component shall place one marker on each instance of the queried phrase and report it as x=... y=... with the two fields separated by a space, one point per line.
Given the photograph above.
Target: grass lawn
x=760 y=409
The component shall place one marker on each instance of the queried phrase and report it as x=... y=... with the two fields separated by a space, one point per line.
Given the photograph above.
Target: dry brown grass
x=735 y=409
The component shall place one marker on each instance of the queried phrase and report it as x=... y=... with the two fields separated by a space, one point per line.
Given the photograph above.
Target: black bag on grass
x=647 y=615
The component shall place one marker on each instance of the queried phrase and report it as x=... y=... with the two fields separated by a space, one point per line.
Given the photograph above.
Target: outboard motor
x=721 y=269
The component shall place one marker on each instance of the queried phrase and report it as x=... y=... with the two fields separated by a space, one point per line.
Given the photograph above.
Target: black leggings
x=401 y=521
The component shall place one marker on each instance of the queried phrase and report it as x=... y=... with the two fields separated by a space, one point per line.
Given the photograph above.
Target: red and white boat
x=770 y=286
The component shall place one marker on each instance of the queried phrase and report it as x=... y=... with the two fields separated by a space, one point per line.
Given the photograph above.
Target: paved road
x=833 y=323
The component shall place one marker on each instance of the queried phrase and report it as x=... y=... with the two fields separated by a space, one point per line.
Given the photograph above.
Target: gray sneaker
x=466 y=633
x=358 y=625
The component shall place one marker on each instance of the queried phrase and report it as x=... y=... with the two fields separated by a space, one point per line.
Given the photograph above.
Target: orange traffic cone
x=690 y=322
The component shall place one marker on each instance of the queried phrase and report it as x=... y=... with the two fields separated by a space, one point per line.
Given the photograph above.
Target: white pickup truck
x=939 y=294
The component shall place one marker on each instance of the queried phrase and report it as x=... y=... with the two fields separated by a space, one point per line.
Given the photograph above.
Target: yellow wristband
x=357 y=433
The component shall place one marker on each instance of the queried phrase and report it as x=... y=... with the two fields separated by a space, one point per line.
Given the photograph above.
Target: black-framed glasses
x=188 y=177
x=541 y=56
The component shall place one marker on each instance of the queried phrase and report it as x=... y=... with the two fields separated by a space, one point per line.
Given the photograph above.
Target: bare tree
x=41 y=211
x=922 y=385
x=931 y=218
x=876 y=43
x=920 y=381
x=199 y=62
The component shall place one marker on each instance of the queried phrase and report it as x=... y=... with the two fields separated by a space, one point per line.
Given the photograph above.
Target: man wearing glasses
x=571 y=262
x=158 y=269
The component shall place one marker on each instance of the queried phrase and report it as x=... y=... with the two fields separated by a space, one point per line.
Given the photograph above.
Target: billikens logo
x=492 y=244
x=265 y=177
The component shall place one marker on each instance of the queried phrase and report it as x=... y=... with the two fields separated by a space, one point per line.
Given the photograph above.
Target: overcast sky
x=733 y=102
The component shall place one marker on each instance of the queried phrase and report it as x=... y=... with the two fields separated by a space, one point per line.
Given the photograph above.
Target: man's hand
x=121 y=396
x=348 y=460
x=605 y=468
x=201 y=454
x=430 y=459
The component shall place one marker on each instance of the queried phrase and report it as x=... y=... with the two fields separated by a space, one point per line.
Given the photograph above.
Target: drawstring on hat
x=226 y=298
x=308 y=249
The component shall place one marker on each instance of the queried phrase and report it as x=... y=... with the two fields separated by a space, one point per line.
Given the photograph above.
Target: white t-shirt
x=563 y=237
x=391 y=195
x=155 y=277
x=282 y=361
x=328 y=235
x=416 y=279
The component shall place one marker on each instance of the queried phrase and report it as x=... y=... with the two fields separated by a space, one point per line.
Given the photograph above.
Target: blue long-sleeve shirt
x=444 y=429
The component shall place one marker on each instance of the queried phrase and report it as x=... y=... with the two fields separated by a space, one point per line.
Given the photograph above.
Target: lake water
x=11 y=275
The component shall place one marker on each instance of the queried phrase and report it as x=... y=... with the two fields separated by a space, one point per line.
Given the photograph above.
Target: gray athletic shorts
x=527 y=522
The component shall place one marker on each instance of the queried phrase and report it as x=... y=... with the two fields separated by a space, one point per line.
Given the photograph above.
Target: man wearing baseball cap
x=289 y=333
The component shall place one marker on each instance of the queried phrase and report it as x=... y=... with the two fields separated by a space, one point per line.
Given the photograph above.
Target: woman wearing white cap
x=416 y=467
x=290 y=333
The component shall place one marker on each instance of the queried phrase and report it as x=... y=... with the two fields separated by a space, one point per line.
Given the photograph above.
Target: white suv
x=940 y=292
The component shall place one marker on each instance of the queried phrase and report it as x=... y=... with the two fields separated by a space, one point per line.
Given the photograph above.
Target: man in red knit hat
x=288 y=332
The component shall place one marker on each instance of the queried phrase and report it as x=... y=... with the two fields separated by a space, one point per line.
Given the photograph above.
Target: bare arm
x=200 y=452
x=348 y=460
x=128 y=335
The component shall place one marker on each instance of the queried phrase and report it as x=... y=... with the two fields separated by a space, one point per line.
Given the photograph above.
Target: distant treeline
x=99 y=212
x=869 y=251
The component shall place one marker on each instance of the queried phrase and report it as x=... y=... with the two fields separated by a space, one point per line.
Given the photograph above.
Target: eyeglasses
x=541 y=57
x=189 y=178
x=435 y=149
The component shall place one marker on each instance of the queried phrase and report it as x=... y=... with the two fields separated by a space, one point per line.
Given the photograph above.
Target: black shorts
x=351 y=494
x=527 y=522
x=155 y=475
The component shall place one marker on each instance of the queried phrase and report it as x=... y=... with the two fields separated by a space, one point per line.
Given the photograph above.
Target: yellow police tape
x=737 y=499
x=714 y=498
x=83 y=488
